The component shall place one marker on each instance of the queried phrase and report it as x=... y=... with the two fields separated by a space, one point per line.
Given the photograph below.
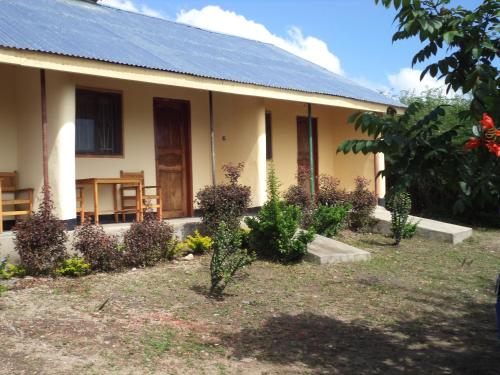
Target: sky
x=348 y=37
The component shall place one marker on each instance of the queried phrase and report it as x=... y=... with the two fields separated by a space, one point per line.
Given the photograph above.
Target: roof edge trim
x=77 y=65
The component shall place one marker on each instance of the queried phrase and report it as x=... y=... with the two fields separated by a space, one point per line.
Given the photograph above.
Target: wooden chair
x=80 y=203
x=151 y=196
x=8 y=187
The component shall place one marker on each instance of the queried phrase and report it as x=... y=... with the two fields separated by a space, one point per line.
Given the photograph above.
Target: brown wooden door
x=173 y=156
x=303 y=155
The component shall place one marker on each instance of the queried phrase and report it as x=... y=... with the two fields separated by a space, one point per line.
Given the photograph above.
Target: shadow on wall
x=433 y=344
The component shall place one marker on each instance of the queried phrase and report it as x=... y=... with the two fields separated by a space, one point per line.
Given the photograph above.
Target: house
x=127 y=92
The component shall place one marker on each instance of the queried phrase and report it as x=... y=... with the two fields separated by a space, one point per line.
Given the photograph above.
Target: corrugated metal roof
x=86 y=30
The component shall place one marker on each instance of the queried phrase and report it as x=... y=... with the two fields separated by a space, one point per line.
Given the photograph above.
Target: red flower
x=494 y=148
x=487 y=122
x=472 y=143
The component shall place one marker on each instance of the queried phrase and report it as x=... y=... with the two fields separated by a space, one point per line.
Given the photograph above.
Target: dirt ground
x=421 y=308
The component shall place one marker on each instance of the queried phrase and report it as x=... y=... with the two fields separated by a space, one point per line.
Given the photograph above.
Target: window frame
x=120 y=155
x=269 y=135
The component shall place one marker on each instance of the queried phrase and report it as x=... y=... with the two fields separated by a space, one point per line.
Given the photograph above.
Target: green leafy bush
x=40 y=238
x=228 y=257
x=328 y=220
x=149 y=241
x=226 y=202
x=8 y=270
x=199 y=244
x=299 y=195
x=409 y=230
x=400 y=207
x=363 y=203
x=73 y=267
x=98 y=248
x=274 y=231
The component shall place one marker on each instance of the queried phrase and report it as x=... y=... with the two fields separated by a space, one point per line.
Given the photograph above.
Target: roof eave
x=79 y=65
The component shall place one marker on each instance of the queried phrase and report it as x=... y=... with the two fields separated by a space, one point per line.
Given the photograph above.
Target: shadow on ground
x=437 y=343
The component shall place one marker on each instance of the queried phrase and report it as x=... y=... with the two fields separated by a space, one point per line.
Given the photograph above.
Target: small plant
x=409 y=230
x=98 y=248
x=40 y=239
x=400 y=206
x=199 y=244
x=228 y=257
x=363 y=203
x=329 y=191
x=73 y=267
x=328 y=220
x=3 y=266
x=226 y=202
x=8 y=270
x=274 y=231
x=149 y=241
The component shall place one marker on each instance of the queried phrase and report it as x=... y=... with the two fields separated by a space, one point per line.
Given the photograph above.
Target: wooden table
x=114 y=181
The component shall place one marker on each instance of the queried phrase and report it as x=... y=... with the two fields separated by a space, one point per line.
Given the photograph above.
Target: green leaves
x=450 y=36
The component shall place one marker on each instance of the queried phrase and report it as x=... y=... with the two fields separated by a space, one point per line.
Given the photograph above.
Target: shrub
x=296 y=195
x=8 y=271
x=40 y=239
x=226 y=202
x=363 y=203
x=329 y=193
x=199 y=244
x=400 y=206
x=73 y=267
x=149 y=241
x=328 y=220
x=228 y=257
x=409 y=230
x=98 y=248
x=3 y=266
x=274 y=231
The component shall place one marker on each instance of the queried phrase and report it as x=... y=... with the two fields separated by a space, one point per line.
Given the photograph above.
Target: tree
x=423 y=148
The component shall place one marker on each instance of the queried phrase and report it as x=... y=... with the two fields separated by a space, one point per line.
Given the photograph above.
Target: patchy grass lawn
x=421 y=308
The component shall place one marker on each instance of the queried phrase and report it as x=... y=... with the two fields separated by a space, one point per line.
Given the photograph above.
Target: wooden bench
x=10 y=197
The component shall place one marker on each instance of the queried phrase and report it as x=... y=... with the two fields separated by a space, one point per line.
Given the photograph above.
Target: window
x=98 y=123
x=269 y=137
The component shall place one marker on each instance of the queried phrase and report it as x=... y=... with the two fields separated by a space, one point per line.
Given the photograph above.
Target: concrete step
x=432 y=229
x=324 y=250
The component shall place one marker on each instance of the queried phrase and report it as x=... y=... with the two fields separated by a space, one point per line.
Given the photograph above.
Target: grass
x=421 y=308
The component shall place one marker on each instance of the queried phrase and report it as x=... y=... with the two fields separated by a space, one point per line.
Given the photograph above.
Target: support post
x=212 y=135
x=45 y=152
x=311 y=150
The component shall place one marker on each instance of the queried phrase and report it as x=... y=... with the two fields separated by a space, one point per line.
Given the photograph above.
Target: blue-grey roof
x=90 y=31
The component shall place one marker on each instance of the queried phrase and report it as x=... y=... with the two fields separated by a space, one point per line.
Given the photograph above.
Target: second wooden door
x=303 y=149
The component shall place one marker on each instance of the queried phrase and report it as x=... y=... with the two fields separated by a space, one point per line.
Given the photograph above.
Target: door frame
x=188 y=151
x=315 y=146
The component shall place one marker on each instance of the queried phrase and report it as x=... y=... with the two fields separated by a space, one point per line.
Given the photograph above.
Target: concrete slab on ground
x=432 y=229
x=324 y=250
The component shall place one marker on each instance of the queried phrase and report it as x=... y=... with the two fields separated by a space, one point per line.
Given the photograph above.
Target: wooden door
x=303 y=154
x=173 y=156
